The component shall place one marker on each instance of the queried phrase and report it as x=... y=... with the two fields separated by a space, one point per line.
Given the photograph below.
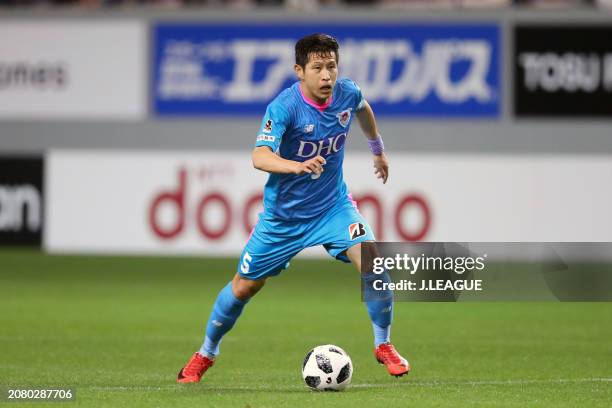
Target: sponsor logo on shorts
x=266 y=138
x=268 y=126
x=356 y=230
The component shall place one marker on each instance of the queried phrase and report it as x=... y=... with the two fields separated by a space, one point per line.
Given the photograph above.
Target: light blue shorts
x=273 y=242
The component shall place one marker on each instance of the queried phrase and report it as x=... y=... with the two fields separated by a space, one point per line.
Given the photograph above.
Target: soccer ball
x=327 y=368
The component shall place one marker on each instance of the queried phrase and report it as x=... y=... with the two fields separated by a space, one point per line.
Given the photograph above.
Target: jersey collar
x=317 y=106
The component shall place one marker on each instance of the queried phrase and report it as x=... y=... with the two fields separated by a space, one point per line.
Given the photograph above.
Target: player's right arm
x=266 y=160
x=273 y=127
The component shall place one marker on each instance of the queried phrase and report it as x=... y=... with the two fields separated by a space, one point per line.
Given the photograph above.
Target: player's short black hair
x=318 y=44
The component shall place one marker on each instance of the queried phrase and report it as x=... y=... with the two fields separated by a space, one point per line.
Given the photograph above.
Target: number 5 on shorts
x=245 y=263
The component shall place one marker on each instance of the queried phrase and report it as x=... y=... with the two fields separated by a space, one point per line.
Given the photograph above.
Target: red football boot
x=195 y=369
x=396 y=365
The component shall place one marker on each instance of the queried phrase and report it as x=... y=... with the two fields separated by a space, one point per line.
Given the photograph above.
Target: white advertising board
x=206 y=203
x=72 y=70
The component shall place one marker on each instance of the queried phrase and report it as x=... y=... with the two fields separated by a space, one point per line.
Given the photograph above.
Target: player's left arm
x=367 y=122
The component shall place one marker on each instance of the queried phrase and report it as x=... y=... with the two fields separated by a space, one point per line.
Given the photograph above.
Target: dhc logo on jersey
x=323 y=147
x=431 y=70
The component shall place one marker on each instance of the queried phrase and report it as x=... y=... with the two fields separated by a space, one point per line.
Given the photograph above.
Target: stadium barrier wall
x=207 y=203
x=103 y=88
x=501 y=133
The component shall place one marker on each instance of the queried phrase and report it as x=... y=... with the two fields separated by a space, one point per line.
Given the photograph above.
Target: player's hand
x=381 y=167
x=312 y=166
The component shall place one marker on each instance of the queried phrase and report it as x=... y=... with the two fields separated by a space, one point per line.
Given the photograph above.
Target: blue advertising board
x=414 y=70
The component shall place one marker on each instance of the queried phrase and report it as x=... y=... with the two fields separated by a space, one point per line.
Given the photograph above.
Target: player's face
x=319 y=76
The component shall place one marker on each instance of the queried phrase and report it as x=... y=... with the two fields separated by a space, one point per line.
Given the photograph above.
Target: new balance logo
x=356 y=230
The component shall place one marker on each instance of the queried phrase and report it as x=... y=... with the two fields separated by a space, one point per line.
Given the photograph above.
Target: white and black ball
x=327 y=368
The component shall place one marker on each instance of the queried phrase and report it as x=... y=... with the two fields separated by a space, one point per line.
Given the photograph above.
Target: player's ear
x=299 y=71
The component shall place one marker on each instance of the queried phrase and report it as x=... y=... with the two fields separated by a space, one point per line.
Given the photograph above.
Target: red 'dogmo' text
x=243 y=214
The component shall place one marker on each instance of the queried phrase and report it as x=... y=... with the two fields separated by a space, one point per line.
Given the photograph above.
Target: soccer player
x=306 y=202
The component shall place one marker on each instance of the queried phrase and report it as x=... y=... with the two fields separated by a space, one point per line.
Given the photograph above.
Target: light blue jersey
x=302 y=211
x=298 y=129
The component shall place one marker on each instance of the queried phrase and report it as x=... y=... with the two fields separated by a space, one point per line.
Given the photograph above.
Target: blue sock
x=225 y=312
x=381 y=334
x=380 y=306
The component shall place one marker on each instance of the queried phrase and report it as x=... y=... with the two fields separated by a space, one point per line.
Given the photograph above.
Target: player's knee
x=244 y=289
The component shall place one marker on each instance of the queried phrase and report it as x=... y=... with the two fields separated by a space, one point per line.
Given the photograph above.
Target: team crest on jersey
x=268 y=127
x=356 y=230
x=344 y=117
x=308 y=128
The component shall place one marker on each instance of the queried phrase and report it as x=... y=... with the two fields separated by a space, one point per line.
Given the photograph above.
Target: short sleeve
x=360 y=101
x=273 y=126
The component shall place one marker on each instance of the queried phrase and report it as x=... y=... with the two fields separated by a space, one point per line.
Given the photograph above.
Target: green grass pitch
x=118 y=329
